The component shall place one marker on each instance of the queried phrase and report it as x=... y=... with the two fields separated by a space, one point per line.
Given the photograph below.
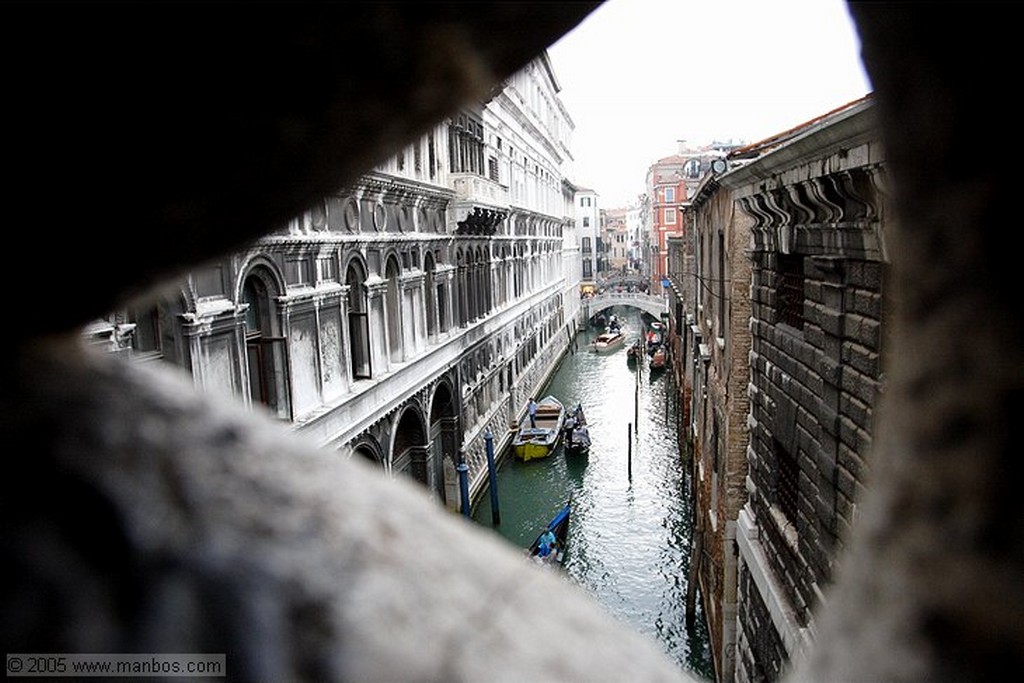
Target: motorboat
x=538 y=438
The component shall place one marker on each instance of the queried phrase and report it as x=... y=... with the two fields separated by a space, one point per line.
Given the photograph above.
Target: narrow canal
x=631 y=524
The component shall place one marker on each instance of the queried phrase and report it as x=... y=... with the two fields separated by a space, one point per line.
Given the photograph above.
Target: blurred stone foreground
x=142 y=517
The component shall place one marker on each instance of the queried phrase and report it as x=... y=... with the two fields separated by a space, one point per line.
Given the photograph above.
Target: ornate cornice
x=388 y=185
x=849 y=197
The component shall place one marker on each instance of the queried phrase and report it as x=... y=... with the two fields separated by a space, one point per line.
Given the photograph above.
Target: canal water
x=631 y=525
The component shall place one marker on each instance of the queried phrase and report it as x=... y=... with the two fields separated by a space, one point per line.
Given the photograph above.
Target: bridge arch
x=654 y=305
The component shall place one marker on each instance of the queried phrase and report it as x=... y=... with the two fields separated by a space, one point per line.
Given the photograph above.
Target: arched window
x=444 y=322
x=503 y=269
x=517 y=280
x=461 y=313
x=431 y=294
x=265 y=347
x=470 y=285
x=394 y=310
x=358 y=322
x=484 y=280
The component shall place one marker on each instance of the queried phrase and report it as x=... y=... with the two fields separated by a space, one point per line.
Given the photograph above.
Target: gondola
x=576 y=440
x=658 y=359
x=633 y=354
x=554 y=556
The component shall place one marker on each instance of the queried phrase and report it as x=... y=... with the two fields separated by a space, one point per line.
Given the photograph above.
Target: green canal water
x=631 y=525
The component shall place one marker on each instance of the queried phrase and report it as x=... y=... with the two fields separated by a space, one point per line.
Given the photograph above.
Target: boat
x=609 y=340
x=658 y=358
x=554 y=554
x=633 y=353
x=576 y=439
x=539 y=439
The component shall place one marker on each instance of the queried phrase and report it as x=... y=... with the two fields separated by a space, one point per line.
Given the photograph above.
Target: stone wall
x=761 y=654
x=818 y=299
x=721 y=237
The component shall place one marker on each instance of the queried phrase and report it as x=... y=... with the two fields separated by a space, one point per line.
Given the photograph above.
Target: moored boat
x=633 y=353
x=550 y=545
x=656 y=335
x=538 y=439
x=577 y=434
x=658 y=358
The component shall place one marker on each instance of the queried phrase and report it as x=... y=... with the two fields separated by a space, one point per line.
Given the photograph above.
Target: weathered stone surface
x=150 y=519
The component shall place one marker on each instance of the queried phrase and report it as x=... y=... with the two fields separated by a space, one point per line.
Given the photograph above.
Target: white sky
x=639 y=75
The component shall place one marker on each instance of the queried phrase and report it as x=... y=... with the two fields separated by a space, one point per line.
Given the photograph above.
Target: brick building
x=781 y=310
x=666 y=192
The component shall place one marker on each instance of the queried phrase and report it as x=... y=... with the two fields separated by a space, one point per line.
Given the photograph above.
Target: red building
x=669 y=181
x=666 y=194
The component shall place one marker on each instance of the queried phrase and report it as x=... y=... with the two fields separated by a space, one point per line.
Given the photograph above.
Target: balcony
x=475 y=189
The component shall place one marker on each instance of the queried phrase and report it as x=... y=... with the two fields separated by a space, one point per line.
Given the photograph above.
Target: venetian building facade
x=682 y=324
x=665 y=196
x=785 y=357
x=615 y=235
x=634 y=223
x=818 y=317
x=406 y=317
x=588 y=223
x=717 y=341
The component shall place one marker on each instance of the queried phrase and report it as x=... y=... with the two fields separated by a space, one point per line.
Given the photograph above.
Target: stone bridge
x=655 y=305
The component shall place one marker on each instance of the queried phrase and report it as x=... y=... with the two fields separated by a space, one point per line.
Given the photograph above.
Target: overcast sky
x=639 y=75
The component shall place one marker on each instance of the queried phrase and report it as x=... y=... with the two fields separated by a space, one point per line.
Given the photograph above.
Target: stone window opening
x=789 y=290
x=358 y=323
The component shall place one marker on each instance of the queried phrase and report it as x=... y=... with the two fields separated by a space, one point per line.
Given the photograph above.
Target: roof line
x=777 y=138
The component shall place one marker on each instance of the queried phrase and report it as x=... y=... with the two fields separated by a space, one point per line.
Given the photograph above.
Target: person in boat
x=547 y=543
x=583 y=436
x=578 y=413
x=532 y=408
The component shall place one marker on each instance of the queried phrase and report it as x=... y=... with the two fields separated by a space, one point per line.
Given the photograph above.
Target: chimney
x=682 y=146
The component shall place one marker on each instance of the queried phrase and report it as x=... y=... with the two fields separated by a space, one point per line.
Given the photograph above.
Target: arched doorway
x=444 y=444
x=409 y=452
x=369 y=451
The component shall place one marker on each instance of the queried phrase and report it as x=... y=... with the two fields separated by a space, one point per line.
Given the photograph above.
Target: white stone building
x=588 y=219
x=403 y=317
